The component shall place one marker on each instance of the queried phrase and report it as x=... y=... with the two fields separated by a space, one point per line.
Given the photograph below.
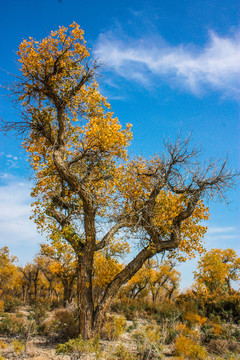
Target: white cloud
x=215 y=65
x=17 y=231
x=222 y=237
x=221 y=230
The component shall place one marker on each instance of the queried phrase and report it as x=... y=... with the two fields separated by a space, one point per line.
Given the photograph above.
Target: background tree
x=85 y=189
x=158 y=280
x=29 y=282
x=63 y=266
x=45 y=265
x=217 y=269
x=9 y=277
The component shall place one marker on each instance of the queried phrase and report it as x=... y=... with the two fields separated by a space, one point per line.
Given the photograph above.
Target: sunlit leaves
x=217 y=269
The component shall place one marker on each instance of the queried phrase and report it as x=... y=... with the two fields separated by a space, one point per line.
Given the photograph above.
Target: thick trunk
x=85 y=298
x=66 y=292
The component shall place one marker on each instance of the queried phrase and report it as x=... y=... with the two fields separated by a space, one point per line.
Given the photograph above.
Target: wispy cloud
x=16 y=230
x=220 y=230
x=215 y=65
x=222 y=237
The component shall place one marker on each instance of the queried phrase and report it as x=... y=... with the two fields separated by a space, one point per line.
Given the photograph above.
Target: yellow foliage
x=187 y=349
x=18 y=346
x=2 y=345
x=193 y=318
x=216 y=269
x=105 y=269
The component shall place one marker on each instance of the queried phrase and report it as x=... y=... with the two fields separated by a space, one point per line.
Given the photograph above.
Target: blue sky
x=167 y=66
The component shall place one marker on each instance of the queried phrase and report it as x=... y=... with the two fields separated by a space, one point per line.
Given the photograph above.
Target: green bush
x=11 y=303
x=76 y=348
x=120 y=353
x=39 y=310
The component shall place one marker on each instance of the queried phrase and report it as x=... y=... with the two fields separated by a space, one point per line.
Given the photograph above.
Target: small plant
x=148 y=339
x=188 y=349
x=11 y=303
x=2 y=345
x=78 y=347
x=18 y=347
x=120 y=353
x=115 y=327
x=62 y=326
x=39 y=310
x=193 y=318
x=1 y=306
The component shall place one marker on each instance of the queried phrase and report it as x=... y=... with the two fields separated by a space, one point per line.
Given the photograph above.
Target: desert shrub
x=13 y=325
x=188 y=349
x=1 y=307
x=225 y=306
x=39 y=310
x=218 y=346
x=170 y=336
x=120 y=353
x=234 y=346
x=212 y=331
x=18 y=347
x=114 y=327
x=223 y=347
x=2 y=345
x=236 y=334
x=127 y=307
x=148 y=340
x=61 y=325
x=166 y=311
x=11 y=303
x=233 y=357
x=191 y=333
x=193 y=318
x=77 y=348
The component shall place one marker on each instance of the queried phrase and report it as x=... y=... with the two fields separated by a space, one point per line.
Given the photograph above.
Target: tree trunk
x=85 y=298
x=66 y=292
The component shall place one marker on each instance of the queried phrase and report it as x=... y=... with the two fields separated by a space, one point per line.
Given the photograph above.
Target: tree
x=63 y=265
x=29 y=282
x=86 y=190
x=216 y=269
x=155 y=279
x=9 y=274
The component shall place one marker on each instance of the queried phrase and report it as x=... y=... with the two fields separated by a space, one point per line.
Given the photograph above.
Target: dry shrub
x=120 y=352
x=149 y=341
x=218 y=346
x=61 y=325
x=188 y=349
x=222 y=347
x=18 y=347
x=114 y=327
x=1 y=306
x=16 y=324
x=11 y=303
x=193 y=318
x=2 y=345
x=234 y=346
x=79 y=348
